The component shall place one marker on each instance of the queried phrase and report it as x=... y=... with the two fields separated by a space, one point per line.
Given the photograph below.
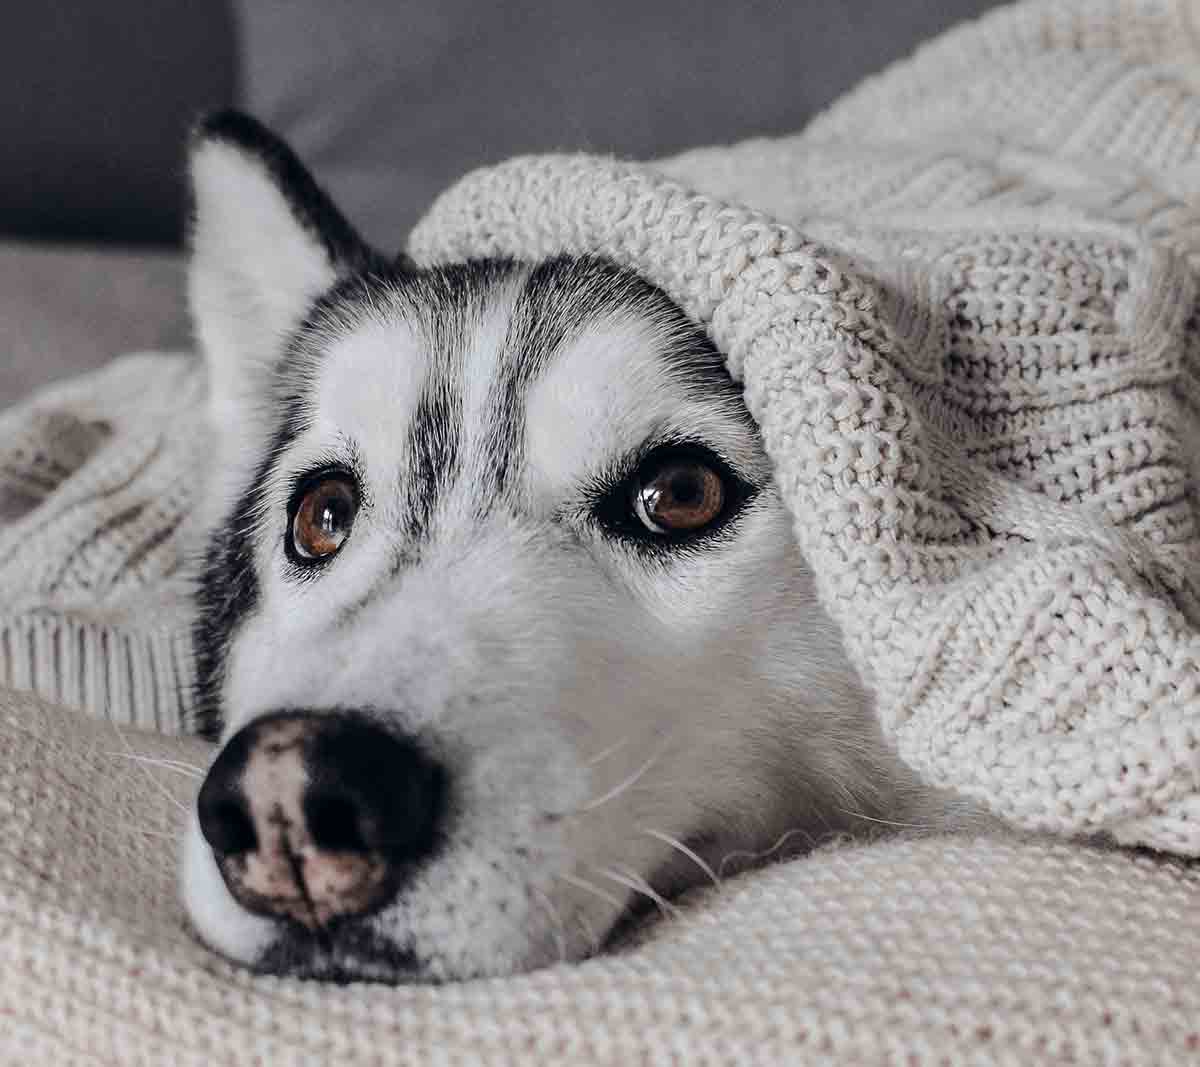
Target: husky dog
x=502 y=624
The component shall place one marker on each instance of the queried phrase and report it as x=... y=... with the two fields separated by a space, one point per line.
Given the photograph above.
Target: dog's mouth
x=351 y=952
x=283 y=831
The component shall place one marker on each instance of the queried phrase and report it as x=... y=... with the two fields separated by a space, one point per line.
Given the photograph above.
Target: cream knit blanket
x=964 y=307
x=922 y=953
x=963 y=304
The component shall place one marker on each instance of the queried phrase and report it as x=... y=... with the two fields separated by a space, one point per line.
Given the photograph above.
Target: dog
x=502 y=625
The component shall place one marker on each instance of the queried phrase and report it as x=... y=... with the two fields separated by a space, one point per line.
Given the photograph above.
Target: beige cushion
x=908 y=952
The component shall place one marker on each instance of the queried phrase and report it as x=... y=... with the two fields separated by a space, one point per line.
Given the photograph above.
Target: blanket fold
x=978 y=392
x=921 y=952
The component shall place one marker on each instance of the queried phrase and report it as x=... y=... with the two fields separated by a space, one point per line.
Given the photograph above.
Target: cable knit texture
x=964 y=307
x=96 y=483
x=963 y=304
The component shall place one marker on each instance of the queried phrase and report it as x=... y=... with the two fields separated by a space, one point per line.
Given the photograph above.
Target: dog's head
x=502 y=625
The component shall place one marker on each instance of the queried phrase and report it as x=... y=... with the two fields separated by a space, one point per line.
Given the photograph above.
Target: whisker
x=886 y=822
x=145 y=770
x=589 y=931
x=580 y=883
x=182 y=765
x=754 y=857
x=620 y=787
x=679 y=846
x=639 y=885
x=140 y=832
x=123 y=833
x=167 y=764
x=599 y=757
x=560 y=930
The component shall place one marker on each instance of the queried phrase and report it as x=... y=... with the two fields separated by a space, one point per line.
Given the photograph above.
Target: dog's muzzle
x=315 y=815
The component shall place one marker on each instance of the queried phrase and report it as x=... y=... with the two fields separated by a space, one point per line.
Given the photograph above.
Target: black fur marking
x=228 y=589
x=612 y=494
x=309 y=202
x=301 y=954
x=561 y=296
x=226 y=594
x=446 y=304
x=433 y=437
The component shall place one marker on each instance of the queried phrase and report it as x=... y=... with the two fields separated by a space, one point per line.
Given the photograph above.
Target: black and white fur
x=620 y=717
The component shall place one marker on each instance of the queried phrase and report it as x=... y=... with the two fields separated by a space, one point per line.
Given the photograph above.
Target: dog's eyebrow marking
x=434 y=456
x=536 y=330
x=552 y=302
x=447 y=306
x=560 y=299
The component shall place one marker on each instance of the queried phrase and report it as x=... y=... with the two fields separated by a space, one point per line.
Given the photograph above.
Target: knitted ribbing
x=98 y=476
x=964 y=313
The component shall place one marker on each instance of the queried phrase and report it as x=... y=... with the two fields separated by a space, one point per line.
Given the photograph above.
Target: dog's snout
x=317 y=815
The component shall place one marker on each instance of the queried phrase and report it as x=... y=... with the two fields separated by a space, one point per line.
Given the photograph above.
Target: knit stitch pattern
x=918 y=952
x=96 y=486
x=963 y=304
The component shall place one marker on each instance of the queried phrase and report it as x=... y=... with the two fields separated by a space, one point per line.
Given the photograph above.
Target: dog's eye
x=322 y=519
x=678 y=495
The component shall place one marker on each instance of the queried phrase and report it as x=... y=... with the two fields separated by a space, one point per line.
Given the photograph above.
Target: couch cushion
x=64 y=310
x=98 y=102
x=391 y=102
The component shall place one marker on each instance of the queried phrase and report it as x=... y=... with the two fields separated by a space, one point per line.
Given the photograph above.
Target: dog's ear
x=266 y=242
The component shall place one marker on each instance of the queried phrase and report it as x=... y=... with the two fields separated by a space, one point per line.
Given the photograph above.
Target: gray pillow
x=390 y=102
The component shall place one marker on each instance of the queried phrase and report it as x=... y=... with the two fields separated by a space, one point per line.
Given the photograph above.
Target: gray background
x=389 y=101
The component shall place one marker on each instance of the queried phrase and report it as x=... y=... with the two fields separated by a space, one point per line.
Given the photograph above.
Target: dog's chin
x=353 y=953
x=356 y=953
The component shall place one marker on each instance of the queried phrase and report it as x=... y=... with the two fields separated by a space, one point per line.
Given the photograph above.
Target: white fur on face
x=592 y=703
x=253 y=275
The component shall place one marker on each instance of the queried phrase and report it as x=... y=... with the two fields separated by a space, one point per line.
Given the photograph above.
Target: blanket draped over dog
x=964 y=306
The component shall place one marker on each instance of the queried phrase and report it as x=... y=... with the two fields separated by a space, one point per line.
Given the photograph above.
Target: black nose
x=315 y=815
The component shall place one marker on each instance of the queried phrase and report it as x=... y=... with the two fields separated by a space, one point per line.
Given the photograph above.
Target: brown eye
x=323 y=518
x=679 y=496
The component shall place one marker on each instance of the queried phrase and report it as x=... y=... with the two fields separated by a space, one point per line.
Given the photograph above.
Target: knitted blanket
x=964 y=307
x=919 y=952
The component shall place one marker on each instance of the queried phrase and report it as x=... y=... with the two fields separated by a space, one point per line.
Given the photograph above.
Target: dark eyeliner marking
x=347 y=465
x=609 y=499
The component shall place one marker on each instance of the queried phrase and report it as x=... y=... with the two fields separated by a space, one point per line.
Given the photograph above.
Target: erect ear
x=266 y=241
